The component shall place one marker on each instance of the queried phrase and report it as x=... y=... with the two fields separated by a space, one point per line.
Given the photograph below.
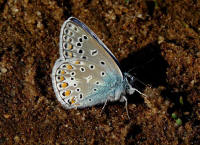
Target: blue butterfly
x=87 y=73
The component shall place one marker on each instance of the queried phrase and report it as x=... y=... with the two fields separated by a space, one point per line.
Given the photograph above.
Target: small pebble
x=131 y=38
x=16 y=138
x=39 y=25
x=6 y=116
x=139 y=16
x=3 y=70
x=186 y=113
x=160 y=39
x=38 y=13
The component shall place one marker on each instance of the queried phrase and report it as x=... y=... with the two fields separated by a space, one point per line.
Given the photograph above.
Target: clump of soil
x=158 y=40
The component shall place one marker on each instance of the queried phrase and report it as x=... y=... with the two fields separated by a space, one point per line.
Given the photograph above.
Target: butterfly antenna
x=132 y=69
x=141 y=82
x=134 y=78
x=140 y=65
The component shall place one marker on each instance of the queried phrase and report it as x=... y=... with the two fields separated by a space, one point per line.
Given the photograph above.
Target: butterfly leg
x=126 y=105
x=141 y=93
x=132 y=90
x=104 y=106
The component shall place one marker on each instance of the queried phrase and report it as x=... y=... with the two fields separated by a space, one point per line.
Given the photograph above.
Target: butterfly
x=87 y=73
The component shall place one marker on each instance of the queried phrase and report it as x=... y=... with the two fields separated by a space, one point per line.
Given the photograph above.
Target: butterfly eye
x=60 y=86
x=65 y=38
x=80 y=39
x=84 y=57
x=82 y=69
x=65 y=45
x=69 y=102
x=85 y=37
x=63 y=66
x=75 y=28
x=66 y=93
x=68 y=46
x=102 y=62
x=70 y=33
x=69 y=54
x=93 y=52
x=73 y=73
x=63 y=93
x=78 y=44
x=70 y=40
x=66 y=31
x=80 y=96
x=80 y=51
x=71 y=78
x=102 y=73
x=60 y=78
x=92 y=67
x=69 y=25
x=59 y=72
x=67 y=66
x=78 y=90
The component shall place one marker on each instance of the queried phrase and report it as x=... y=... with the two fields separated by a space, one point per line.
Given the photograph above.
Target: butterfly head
x=129 y=79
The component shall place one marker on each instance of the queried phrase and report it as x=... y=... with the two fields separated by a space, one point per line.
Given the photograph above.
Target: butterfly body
x=86 y=73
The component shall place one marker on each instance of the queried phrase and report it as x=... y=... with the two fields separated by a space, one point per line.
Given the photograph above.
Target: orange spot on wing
x=69 y=46
x=70 y=54
x=64 y=85
x=62 y=72
x=62 y=78
x=73 y=100
x=69 y=66
x=77 y=62
x=67 y=93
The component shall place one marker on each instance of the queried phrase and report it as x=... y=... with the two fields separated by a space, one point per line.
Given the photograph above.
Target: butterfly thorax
x=119 y=87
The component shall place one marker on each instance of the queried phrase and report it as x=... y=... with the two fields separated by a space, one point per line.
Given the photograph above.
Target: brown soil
x=161 y=38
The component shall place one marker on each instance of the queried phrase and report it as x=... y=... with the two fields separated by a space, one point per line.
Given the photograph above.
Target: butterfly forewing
x=87 y=72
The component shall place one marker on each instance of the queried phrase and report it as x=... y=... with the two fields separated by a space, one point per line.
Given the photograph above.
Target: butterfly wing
x=86 y=73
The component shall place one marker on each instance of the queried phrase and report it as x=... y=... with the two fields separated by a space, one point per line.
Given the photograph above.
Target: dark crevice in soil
x=40 y=79
x=136 y=97
x=3 y=5
x=133 y=131
x=147 y=65
x=1 y=53
x=19 y=52
x=88 y=2
x=151 y=7
x=68 y=9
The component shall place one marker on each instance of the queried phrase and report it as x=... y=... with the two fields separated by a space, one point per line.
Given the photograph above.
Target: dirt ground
x=158 y=39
